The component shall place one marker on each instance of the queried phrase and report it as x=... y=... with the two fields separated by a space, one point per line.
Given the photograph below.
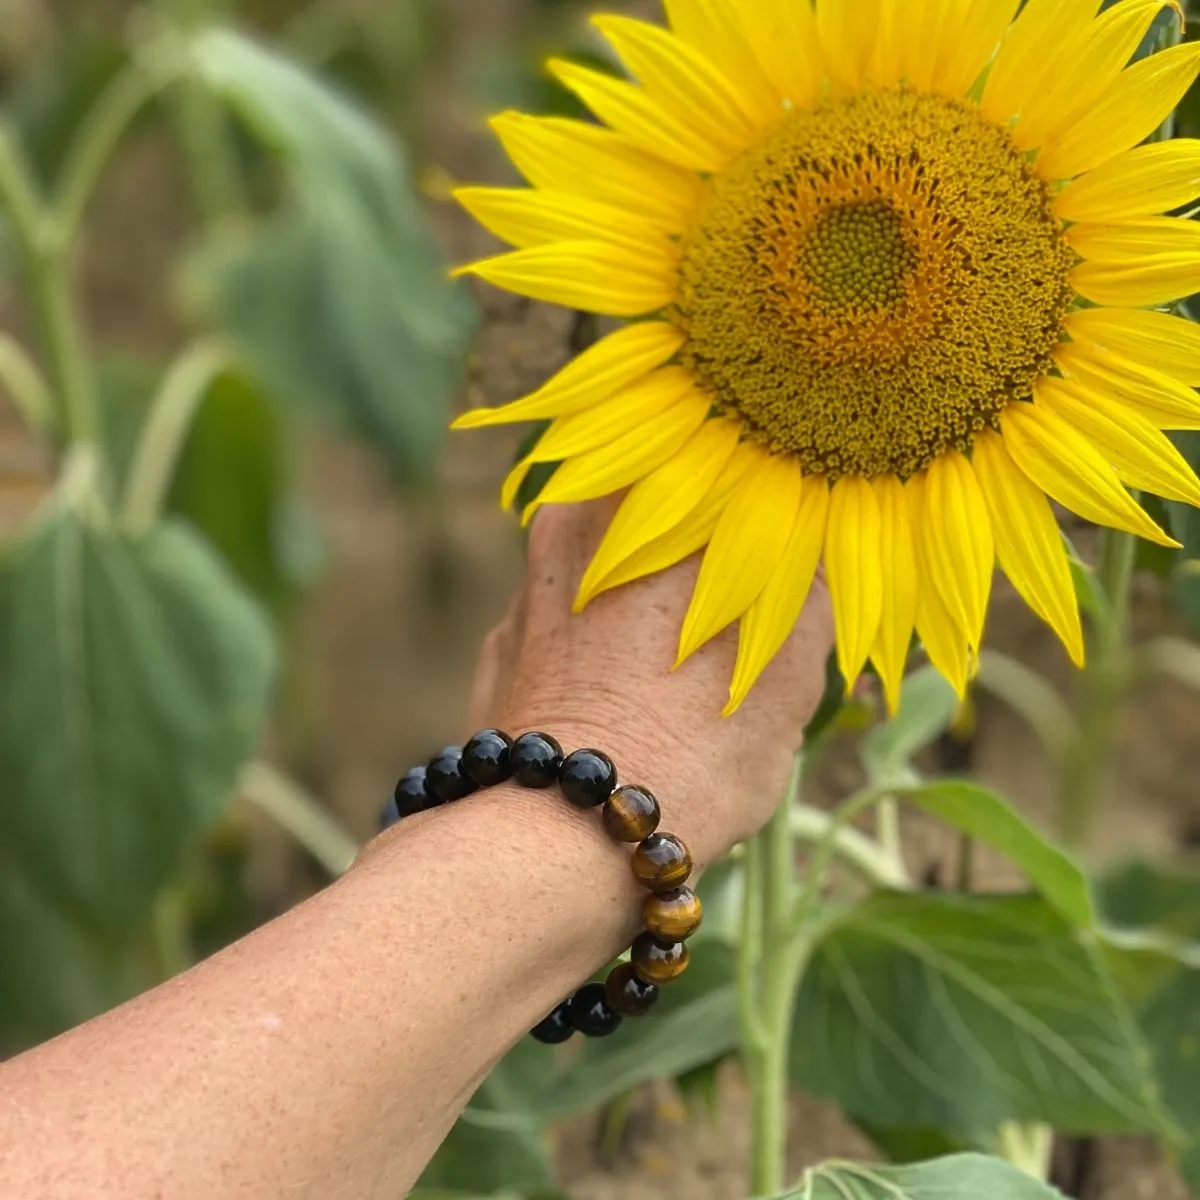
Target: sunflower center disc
x=874 y=282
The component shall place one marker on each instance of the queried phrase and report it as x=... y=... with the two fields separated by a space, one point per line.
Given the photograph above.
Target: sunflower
x=891 y=276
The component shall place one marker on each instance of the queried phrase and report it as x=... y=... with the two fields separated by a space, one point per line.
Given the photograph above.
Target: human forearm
x=329 y=1053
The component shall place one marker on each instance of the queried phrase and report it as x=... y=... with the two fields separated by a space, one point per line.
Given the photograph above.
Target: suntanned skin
x=328 y=1054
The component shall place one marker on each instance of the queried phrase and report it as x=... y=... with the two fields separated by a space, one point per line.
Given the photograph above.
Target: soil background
x=414 y=583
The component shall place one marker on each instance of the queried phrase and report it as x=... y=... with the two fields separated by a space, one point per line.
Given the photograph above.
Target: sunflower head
x=893 y=279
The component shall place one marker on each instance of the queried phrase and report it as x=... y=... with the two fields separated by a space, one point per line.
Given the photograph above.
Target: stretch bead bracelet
x=661 y=862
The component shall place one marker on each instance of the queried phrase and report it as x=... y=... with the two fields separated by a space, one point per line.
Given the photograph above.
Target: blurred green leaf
x=906 y=1144
x=927 y=706
x=833 y=700
x=960 y=1177
x=1184 y=524
x=961 y=1012
x=338 y=301
x=1139 y=895
x=478 y=1160
x=234 y=483
x=983 y=814
x=135 y=685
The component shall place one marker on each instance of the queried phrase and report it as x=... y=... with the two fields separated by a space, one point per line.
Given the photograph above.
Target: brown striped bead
x=628 y=993
x=662 y=862
x=673 y=916
x=631 y=814
x=657 y=961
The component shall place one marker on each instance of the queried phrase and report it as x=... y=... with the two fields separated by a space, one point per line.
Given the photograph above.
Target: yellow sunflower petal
x=944 y=642
x=630 y=408
x=693 y=532
x=1164 y=402
x=1090 y=69
x=890 y=652
x=855 y=572
x=1152 y=279
x=1142 y=182
x=1137 y=104
x=659 y=502
x=770 y=620
x=956 y=536
x=847 y=31
x=783 y=37
x=592 y=276
x=1142 y=456
x=918 y=34
x=984 y=25
x=612 y=363
x=1167 y=343
x=524 y=217
x=746 y=547
x=631 y=457
x=1023 y=64
x=716 y=29
x=1029 y=543
x=580 y=159
x=1131 y=241
x=681 y=80
x=1067 y=467
x=640 y=119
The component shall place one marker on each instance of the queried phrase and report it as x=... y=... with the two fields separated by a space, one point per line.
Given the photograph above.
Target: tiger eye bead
x=487 y=757
x=631 y=814
x=628 y=993
x=662 y=862
x=536 y=760
x=587 y=778
x=445 y=779
x=673 y=916
x=656 y=961
x=411 y=796
x=557 y=1027
x=591 y=1012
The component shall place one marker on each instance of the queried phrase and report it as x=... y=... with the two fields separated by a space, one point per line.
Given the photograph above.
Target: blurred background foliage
x=240 y=568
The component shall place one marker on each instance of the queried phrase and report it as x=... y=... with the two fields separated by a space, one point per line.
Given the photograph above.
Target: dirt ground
x=414 y=583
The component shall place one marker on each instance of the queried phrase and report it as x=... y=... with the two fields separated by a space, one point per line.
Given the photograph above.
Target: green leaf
x=135 y=686
x=906 y=1144
x=959 y=1013
x=927 y=706
x=338 y=301
x=478 y=1160
x=983 y=814
x=1138 y=895
x=959 y=1177
x=695 y=1023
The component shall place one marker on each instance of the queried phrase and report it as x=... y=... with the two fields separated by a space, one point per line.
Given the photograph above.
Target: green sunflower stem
x=769 y=975
x=1101 y=691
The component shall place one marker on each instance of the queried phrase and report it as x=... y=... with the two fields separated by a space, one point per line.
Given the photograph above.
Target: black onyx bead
x=536 y=760
x=389 y=816
x=591 y=1012
x=628 y=993
x=445 y=779
x=410 y=794
x=587 y=778
x=557 y=1027
x=487 y=758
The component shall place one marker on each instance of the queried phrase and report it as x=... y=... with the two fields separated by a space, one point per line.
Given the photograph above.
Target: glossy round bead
x=410 y=794
x=536 y=760
x=557 y=1027
x=662 y=862
x=487 y=758
x=628 y=993
x=587 y=778
x=388 y=816
x=445 y=779
x=657 y=961
x=631 y=814
x=591 y=1012
x=673 y=916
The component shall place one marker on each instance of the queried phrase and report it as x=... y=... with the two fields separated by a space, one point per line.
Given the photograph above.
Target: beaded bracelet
x=661 y=862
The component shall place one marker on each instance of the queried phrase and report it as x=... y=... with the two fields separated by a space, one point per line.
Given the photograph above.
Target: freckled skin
x=874 y=283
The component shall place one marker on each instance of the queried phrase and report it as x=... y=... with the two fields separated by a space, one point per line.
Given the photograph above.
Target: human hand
x=603 y=679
